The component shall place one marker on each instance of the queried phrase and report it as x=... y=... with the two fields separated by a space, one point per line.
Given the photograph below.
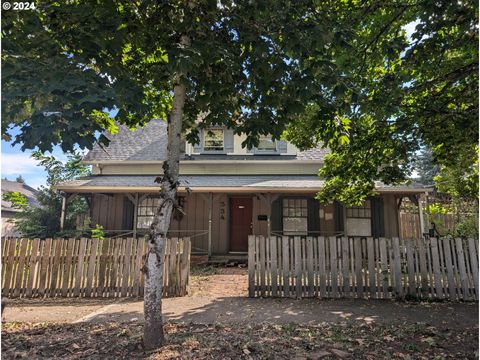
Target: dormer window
x=266 y=143
x=214 y=140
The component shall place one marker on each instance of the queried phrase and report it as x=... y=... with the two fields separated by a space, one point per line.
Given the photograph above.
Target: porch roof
x=214 y=183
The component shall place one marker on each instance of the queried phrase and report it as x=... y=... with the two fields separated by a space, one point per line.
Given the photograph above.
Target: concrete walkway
x=227 y=310
x=220 y=297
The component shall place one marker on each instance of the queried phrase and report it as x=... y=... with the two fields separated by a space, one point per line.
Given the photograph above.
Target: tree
x=400 y=93
x=43 y=219
x=251 y=66
x=425 y=166
x=20 y=179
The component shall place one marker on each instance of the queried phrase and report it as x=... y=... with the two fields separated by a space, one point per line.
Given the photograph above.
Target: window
x=213 y=140
x=147 y=208
x=295 y=216
x=266 y=143
x=363 y=211
x=146 y=211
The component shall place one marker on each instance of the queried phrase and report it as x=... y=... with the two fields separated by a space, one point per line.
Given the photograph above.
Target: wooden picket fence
x=88 y=267
x=354 y=267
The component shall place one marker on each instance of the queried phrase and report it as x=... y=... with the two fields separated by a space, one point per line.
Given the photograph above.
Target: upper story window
x=213 y=140
x=266 y=143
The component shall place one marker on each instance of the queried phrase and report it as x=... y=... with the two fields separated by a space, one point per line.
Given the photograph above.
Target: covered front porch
x=220 y=212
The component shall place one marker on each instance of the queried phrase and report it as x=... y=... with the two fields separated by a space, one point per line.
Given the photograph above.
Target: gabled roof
x=150 y=144
x=147 y=144
x=14 y=186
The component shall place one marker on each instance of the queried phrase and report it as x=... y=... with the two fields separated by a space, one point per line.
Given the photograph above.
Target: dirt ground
x=217 y=320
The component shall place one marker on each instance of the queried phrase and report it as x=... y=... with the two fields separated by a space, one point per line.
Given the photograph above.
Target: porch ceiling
x=213 y=183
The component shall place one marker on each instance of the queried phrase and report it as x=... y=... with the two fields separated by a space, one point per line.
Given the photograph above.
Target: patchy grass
x=203 y=270
x=262 y=341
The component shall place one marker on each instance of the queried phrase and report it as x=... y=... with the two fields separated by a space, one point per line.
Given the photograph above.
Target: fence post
x=251 y=265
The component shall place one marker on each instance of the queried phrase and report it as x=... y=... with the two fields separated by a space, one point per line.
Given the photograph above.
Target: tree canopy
x=401 y=92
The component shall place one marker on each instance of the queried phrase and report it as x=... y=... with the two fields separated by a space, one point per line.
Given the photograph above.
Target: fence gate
x=355 y=267
x=88 y=267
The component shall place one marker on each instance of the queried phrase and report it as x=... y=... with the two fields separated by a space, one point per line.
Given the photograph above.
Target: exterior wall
x=109 y=211
x=327 y=220
x=195 y=222
x=390 y=215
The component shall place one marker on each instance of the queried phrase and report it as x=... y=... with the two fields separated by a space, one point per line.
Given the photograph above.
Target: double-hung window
x=146 y=211
x=295 y=215
x=266 y=144
x=213 y=140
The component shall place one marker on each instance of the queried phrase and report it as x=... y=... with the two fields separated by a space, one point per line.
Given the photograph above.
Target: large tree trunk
x=153 y=336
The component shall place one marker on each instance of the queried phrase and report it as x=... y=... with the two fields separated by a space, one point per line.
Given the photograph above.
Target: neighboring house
x=232 y=192
x=9 y=212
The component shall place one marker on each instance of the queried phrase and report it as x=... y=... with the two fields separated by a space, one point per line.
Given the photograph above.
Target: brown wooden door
x=240 y=223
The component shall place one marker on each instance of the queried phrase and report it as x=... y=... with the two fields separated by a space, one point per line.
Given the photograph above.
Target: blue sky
x=15 y=163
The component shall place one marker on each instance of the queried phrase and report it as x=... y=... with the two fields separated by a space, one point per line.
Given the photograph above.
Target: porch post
x=269 y=213
x=210 y=205
x=135 y=215
x=420 y=215
x=62 y=215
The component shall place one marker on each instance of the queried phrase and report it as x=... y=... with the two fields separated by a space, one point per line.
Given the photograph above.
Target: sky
x=14 y=162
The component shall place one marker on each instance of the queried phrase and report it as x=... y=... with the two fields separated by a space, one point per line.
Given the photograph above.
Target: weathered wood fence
x=331 y=267
x=88 y=267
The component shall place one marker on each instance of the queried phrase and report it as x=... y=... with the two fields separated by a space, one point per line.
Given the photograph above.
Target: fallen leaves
x=242 y=341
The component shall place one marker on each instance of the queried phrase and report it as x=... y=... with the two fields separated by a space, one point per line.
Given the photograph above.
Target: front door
x=240 y=223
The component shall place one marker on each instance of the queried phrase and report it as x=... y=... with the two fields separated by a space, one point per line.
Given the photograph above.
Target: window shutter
x=198 y=148
x=339 y=223
x=313 y=220
x=276 y=219
x=378 y=222
x=228 y=138
x=128 y=209
x=281 y=146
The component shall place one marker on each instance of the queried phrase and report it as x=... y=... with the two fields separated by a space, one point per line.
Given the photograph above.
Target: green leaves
x=18 y=200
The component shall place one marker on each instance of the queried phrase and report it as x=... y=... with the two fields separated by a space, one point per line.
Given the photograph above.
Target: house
x=232 y=191
x=8 y=211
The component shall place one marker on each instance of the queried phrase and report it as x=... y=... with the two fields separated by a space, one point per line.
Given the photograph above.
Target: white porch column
x=210 y=209
x=420 y=215
x=62 y=214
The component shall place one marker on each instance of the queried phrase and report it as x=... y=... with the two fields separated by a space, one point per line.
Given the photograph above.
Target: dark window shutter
x=313 y=220
x=339 y=223
x=378 y=222
x=128 y=209
x=276 y=220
